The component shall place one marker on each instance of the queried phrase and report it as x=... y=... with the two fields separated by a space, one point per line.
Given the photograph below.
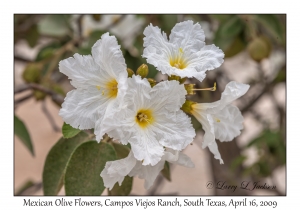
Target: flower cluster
x=150 y=117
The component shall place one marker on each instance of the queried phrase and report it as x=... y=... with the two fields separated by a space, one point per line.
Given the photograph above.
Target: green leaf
x=166 y=171
x=32 y=36
x=68 y=131
x=83 y=171
x=228 y=31
x=24 y=187
x=21 y=131
x=54 y=25
x=231 y=28
x=122 y=151
x=124 y=189
x=236 y=46
x=272 y=24
x=57 y=160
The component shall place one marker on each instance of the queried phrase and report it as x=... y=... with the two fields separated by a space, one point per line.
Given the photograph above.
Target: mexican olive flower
x=185 y=54
x=221 y=120
x=150 y=120
x=100 y=80
x=115 y=171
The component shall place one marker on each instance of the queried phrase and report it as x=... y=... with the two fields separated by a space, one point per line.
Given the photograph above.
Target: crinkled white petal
x=186 y=42
x=146 y=147
x=90 y=75
x=80 y=107
x=174 y=156
x=207 y=123
x=115 y=171
x=188 y=36
x=233 y=91
x=172 y=129
x=229 y=124
x=157 y=48
x=213 y=148
x=82 y=70
x=220 y=119
x=172 y=93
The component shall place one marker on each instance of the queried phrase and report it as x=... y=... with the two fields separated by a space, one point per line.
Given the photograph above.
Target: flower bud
x=130 y=72
x=187 y=106
x=177 y=78
x=31 y=73
x=152 y=82
x=190 y=89
x=143 y=70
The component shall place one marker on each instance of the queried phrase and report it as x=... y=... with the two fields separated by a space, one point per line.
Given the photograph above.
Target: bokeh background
x=255 y=53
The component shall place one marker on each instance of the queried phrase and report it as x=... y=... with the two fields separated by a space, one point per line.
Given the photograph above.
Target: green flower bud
x=32 y=73
x=152 y=82
x=177 y=78
x=143 y=70
x=130 y=72
x=39 y=95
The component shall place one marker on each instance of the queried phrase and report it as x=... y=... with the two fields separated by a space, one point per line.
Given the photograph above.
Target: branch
x=55 y=97
x=48 y=115
x=20 y=100
x=18 y=58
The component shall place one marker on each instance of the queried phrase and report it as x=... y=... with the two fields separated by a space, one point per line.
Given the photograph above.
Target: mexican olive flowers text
x=151 y=118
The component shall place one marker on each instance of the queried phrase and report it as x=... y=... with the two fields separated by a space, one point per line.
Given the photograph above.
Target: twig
x=55 y=97
x=23 y=98
x=256 y=98
x=18 y=58
x=31 y=190
x=21 y=88
x=48 y=115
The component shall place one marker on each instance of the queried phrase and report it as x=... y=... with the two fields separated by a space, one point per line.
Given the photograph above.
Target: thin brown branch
x=19 y=58
x=55 y=97
x=22 y=88
x=49 y=117
x=20 y=100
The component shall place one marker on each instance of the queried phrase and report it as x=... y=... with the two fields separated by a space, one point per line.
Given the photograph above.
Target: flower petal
x=158 y=50
x=82 y=70
x=213 y=148
x=168 y=94
x=173 y=130
x=146 y=147
x=208 y=58
x=80 y=107
x=229 y=124
x=107 y=54
x=188 y=36
x=115 y=171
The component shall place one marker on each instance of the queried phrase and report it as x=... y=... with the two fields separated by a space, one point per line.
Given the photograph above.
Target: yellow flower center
x=144 y=117
x=110 y=89
x=178 y=61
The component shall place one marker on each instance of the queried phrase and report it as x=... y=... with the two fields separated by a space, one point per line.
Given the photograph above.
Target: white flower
x=99 y=80
x=115 y=171
x=151 y=119
x=221 y=120
x=185 y=54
